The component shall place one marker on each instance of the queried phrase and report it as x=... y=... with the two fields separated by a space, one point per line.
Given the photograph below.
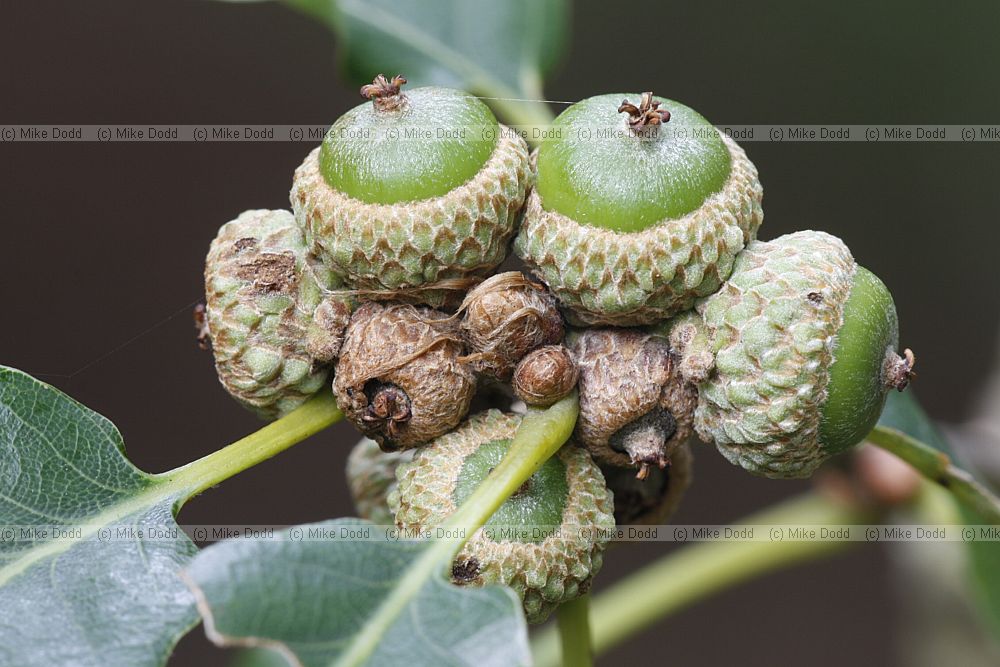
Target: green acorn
x=391 y=207
x=371 y=477
x=794 y=356
x=546 y=542
x=273 y=325
x=638 y=210
x=651 y=501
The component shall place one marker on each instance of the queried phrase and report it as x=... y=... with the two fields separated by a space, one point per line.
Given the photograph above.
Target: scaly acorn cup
x=804 y=343
x=504 y=318
x=652 y=501
x=546 y=542
x=635 y=407
x=413 y=189
x=371 y=476
x=274 y=326
x=400 y=377
x=637 y=210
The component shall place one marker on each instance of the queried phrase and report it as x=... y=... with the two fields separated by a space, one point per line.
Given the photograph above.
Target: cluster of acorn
x=780 y=353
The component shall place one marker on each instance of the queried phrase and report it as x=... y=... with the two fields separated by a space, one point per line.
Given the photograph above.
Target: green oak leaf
x=313 y=599
x=85 y=600
x=500 y=50
x=903 y=413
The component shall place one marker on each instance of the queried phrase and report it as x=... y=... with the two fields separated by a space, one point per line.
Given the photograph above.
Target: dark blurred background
x=103 y=244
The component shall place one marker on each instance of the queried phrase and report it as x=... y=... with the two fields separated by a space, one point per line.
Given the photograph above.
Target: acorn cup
x=271 y=319
x=793 y=357
x=546 y=542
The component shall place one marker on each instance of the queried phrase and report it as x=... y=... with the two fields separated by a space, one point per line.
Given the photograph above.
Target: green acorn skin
x=546 y=542
x=273 y=326
x=804 y=347
x=389 y=211
x=371 y=477
x=631 y=228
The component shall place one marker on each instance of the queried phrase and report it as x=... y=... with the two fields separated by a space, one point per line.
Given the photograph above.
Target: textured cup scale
x=591 y=238
x=545 y=566
x=400 y=377
x=273 y=323
x=371 y=477
x=775 y=331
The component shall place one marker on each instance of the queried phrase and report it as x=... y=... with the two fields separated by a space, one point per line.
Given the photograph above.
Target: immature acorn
x=371 y=477
x=545 y=376
x=804 y=347
x=638 y=210
x=546 y=542
x=414 y=188
x=400 y=377
x=504 y=318
x=635 y=408
x=651 y=501
x=273 y=326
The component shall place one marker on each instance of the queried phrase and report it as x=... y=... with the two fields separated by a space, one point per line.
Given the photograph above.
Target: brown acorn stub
x=545 y=376
x=400 y=378
x=504 y=318
x=651 y=501
x=635 y=407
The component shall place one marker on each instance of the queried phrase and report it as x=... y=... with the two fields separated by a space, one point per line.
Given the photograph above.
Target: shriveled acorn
x=639 y=209
x=400 y=377
x=546 y=542
x=371 y=477
x=504 y=318
x=635 y=407
x=415 y=188
x=651 y=501
x=545 y=376
x=796 y=354
x=273 y=324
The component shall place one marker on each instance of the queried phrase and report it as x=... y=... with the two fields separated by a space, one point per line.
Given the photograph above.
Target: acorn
x=413 y=189
x=400 y=378
x=504 y=318
x=635 y=407
x=545 y=376
x=371 y=477
x=652 y=501
x=803 y=346
x=272 y=321
x=639 y=209
x=546 y=542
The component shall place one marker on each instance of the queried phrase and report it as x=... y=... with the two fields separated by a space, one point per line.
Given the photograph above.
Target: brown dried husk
x=545 y=376
x=504 y=318
x=415 y=349
x=625 y=374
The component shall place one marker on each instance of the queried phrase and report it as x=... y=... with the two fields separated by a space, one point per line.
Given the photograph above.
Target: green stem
x=313 y=416
x=539 y=436
x=936 y=466
x=574 y=632
x=695 y=572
